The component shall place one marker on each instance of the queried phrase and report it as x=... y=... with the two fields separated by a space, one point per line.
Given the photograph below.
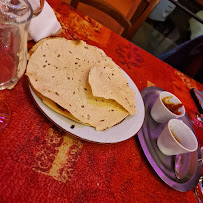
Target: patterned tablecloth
x=41 y=163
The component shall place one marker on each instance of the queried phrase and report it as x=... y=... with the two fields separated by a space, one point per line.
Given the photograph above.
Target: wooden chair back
x=140 y=10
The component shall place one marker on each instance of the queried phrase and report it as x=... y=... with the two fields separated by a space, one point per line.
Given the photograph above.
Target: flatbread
x=54 y=106
x=108 y=81
x=59 y=68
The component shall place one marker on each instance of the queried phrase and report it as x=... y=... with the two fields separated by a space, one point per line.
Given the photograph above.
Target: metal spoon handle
x=178 y=165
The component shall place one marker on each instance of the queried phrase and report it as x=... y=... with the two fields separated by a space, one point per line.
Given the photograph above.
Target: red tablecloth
x=41 y=163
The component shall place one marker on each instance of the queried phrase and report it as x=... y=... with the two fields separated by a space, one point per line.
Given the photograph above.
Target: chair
x=129 y=21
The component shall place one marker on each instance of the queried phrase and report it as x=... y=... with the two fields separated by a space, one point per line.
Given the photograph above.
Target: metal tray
x=162 y=164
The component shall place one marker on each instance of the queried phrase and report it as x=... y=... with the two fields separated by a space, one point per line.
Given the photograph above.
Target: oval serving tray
x=162 y=164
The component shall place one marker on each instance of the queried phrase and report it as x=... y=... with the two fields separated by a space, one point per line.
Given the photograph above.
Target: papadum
x=107 y=80
x=59 y=68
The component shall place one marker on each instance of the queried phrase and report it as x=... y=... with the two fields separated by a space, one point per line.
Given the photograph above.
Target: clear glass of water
x=15 y=16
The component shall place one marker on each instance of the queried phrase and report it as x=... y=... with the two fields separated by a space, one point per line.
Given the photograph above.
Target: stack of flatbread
x=80 y=82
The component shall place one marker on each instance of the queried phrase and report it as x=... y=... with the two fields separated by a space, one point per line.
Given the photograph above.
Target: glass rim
x=27 y=19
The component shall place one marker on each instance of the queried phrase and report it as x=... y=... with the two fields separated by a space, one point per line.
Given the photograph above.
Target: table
x=41 y=163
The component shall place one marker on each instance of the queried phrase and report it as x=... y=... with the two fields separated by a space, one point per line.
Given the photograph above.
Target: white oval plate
x=120 y=132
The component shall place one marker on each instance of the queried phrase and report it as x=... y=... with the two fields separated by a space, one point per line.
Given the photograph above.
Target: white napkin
x=44 y=25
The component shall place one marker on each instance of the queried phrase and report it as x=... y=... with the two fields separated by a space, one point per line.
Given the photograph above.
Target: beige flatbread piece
x=59 y=68
x=108 y=80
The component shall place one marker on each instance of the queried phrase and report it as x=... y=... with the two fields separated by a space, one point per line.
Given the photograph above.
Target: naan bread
x=59 y=68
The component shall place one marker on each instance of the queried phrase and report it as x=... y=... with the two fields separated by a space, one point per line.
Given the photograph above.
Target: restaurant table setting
x=46 y=157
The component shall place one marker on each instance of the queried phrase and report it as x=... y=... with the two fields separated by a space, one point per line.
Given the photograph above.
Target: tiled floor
x=152 y=40
x=159 y=37
x=157 y=44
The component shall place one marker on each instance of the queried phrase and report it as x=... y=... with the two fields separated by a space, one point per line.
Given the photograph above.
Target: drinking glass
x=15 y=16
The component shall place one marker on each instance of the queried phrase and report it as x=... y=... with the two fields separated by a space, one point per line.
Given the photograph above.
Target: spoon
x=178 y=165
x=179 y=161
